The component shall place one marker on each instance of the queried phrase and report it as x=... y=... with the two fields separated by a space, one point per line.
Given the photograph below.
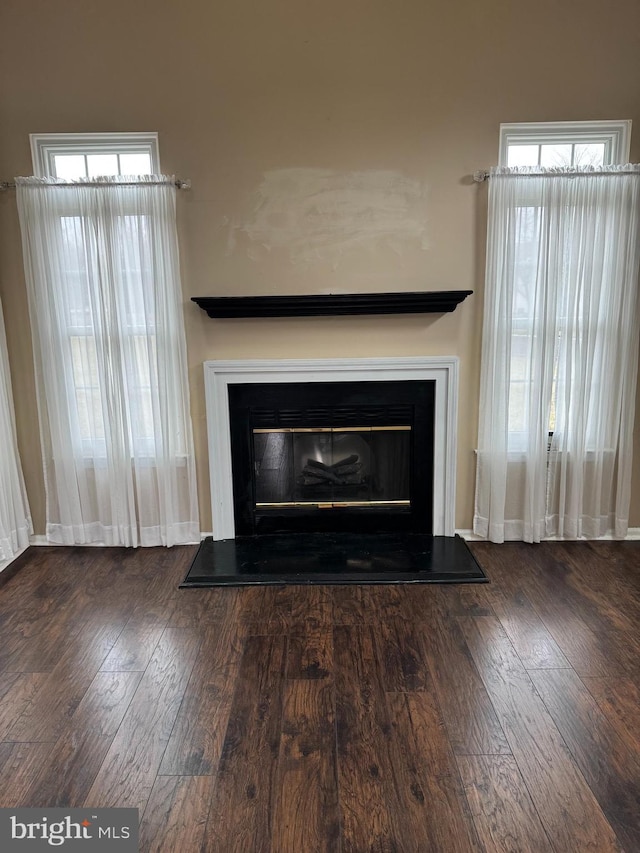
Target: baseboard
x=6 y=563
x=632 y=534
x=38 y=540
x=42 y=540
x=466 y=534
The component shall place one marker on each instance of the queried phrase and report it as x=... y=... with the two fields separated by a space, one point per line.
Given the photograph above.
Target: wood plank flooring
x=344 y=719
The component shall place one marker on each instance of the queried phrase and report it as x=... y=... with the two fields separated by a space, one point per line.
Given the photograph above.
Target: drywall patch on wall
x=320 y=214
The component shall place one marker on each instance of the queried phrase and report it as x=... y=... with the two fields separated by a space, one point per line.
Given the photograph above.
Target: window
x=109 y=344
x=575 y=143
x=560 y=334
x=551 y=144
x=88 y=155
x=126 y=236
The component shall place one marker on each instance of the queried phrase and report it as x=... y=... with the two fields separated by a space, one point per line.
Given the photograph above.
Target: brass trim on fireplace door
x=329 y=504
x=262 y=431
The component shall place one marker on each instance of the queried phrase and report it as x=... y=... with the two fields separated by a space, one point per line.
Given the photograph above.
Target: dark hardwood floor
x=399 y=719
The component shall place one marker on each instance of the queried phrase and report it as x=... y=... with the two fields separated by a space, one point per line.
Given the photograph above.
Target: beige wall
x=239 y=90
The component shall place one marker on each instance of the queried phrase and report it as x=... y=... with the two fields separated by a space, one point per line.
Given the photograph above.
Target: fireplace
x=332 y=456
x=332 y=471
x=332 y=445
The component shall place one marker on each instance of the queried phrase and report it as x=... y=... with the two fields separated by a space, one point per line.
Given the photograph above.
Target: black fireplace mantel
x=326 y=305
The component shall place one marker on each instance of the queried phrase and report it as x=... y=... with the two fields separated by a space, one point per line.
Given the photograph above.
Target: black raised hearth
x=334 y=558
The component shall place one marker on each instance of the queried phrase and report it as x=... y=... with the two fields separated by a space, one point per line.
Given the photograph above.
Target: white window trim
x=616 y=136
x=44 y=147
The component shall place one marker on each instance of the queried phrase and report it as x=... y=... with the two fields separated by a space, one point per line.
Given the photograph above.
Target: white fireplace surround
x=443 y=370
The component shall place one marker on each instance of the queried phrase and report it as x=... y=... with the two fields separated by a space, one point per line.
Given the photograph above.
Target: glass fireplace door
x=332 y=467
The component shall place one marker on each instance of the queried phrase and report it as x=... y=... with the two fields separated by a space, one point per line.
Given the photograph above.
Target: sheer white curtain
x=559 y=353
x=15 y=517
x=101 y=263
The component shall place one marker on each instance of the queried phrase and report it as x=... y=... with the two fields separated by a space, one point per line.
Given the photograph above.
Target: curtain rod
x=180 y=184
x=481 y=176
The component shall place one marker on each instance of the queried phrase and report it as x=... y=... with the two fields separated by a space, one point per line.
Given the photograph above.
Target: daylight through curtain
x=15 y=517
x=559 y=354
x=101 y=263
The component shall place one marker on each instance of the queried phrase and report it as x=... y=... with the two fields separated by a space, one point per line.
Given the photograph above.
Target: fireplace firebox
x=332 y=456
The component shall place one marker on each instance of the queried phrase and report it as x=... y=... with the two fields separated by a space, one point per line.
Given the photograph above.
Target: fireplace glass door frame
x=380 y=426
